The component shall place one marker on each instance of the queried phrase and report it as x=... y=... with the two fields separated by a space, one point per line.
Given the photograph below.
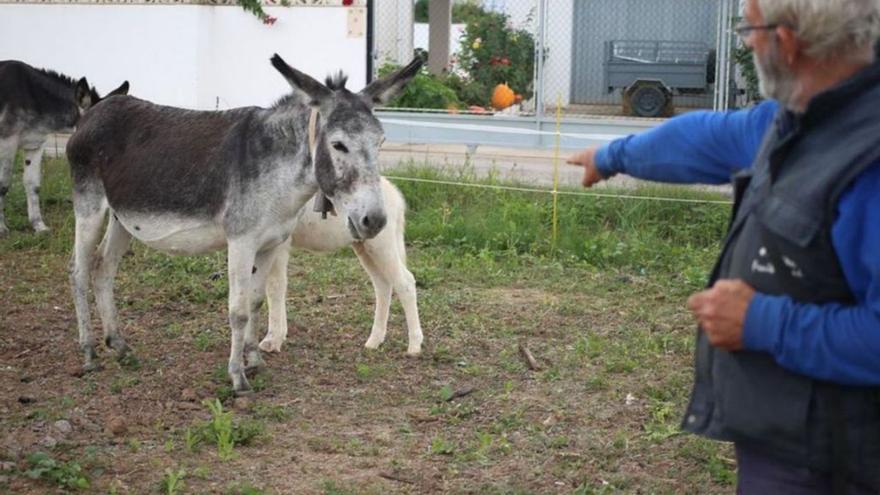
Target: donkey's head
x=348 y=140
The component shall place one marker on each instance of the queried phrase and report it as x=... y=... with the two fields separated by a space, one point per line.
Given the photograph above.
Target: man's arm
x=832 y=342
x=697 y=147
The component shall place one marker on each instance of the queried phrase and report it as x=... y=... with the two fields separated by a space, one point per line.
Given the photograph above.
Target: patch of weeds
x=169 y=445
x=173 y=331
x=590 y=489
x=223 y=431
x=441 y=446
x=205 y=340
x=121 y=383
x=331 y=488
x=596 y=383
x=245 y=489
x=552 y=375
x=134 y=445
x=172 y=483
x=442 y=355
x=191 y=440
x=721 y=471
x=272 y=412
x=64 y=474
x=201 y=472
x=365 y=372
x=559 y=442
x=130 y=362
x=663 y=423
x=445 y=393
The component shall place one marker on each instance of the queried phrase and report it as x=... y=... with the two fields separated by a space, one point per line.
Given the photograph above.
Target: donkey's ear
x=316 y=92
x=121 y=90
x=383 y=90
x=82 y=95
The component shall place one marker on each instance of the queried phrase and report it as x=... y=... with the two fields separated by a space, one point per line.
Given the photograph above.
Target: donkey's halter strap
x=322 y=204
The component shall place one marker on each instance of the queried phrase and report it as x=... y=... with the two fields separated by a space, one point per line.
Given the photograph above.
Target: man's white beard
x=775 y=81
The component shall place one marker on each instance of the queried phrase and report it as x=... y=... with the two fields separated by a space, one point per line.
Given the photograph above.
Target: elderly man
x=788 y=352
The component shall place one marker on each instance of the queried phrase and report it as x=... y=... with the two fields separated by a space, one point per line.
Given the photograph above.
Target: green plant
x=172 y=483
x=441 y=446
x=223 y=431
x=744 y=59
x=66 y=474
x=424 y=91
x=493 y=51
x=221 y=428
x=462 y=10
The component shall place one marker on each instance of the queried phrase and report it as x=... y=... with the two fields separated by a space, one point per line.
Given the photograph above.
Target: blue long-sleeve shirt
x=832 y=342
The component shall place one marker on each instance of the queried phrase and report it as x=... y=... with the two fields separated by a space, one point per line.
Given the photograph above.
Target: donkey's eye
x=338 y=146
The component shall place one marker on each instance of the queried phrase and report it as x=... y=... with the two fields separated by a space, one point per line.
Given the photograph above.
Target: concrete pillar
x=439 y=25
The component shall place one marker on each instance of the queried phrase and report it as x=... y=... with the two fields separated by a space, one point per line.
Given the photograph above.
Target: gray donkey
x=33 y=104
x=189 y=182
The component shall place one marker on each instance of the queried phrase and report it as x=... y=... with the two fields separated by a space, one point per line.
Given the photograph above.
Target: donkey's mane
x=57 y=76
x=57 y=84
x=336 y=81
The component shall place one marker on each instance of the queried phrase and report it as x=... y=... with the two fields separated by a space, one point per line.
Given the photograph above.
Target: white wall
x=183 y=55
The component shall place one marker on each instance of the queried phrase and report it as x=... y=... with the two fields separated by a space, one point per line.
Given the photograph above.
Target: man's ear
x=789 y=45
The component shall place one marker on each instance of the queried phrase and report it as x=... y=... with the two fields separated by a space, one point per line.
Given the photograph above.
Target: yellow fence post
x=556 y=171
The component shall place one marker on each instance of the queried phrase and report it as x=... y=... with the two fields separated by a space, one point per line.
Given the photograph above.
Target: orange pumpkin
x=502 y=96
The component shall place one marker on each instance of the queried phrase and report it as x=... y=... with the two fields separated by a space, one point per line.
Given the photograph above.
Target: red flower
x=269 y=20
x=347 y=2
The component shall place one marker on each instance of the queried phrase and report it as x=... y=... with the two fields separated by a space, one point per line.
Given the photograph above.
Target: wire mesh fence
x=649 y=58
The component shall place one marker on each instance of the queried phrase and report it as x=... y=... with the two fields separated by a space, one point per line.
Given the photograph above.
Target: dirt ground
x=600 y=415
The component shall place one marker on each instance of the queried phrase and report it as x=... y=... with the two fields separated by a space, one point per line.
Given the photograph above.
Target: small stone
x=49 y=442
x=63 y=426
x=116 y=426
x=75 y=370
x=189 y=395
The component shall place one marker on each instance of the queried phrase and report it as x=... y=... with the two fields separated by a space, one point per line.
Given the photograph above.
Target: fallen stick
x=392 y=477
x=461 y=393
x=527 y=355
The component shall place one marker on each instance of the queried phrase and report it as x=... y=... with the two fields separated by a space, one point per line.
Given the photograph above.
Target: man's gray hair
x=828 y=28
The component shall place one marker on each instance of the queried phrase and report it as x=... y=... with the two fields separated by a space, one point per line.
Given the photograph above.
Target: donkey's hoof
x=414 y=352
x=373 y=343
x=91 y=366
x=41 y=228
x=243 y=393
x=269 y=345
x=240 y=385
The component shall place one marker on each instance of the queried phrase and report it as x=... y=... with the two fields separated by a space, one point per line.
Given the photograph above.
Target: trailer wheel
x=648 y=100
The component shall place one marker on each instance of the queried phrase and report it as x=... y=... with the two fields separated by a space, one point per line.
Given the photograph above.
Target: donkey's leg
x=263 y=265
x=115 y=243
x=241 y=256
x=389 y=260
x=8 y=147
x=33 y=159
x=276 y=293
x=382 y=289
x=89 y=209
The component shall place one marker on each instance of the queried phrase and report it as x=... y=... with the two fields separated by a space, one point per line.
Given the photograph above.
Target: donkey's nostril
x=373 y=223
